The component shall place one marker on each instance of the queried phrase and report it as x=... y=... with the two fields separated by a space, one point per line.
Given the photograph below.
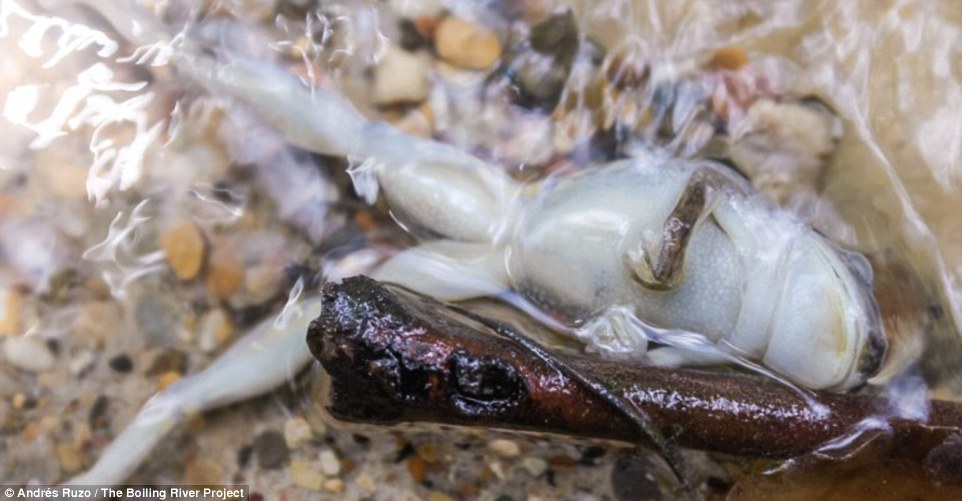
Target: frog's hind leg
x=446 y=270
x=658 y=263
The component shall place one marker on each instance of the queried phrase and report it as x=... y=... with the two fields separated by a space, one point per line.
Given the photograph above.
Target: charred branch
x=395 y=356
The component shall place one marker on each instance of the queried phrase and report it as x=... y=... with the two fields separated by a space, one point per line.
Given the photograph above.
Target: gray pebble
x=271 y=450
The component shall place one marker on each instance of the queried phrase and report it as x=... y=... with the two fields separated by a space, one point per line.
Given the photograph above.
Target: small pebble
x=99 y=415
x=417 y=468
x=631 y=479
x=96 y=323
x=504 y=448
x=184 y=248
x=465 y=44
x=262 y=282
x=296 y=431
x=158 y=319
x=10 y=304
x=365 y=482
x=200 y=471
x=426 y=26
x=166 y=379
x=80 y=362
x=334 y=485
x=71 y=458
x=29 y=353
x=330 y=465
x=401 y=77
x=306 y=475
x=728 y=58
x=271 y=450
x=225 y=272
x=121 y=363
x=428 y=452
x=169 y=361
x=535 y=466
x=216 y=330
x=19 y=401
x=415 y=8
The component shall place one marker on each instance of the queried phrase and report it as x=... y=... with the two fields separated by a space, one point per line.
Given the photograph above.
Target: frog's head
x=826 y=332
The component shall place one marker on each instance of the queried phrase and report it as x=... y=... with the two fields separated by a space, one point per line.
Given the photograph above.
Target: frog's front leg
x=659 y=261
x=447 y=270
x=440 y=189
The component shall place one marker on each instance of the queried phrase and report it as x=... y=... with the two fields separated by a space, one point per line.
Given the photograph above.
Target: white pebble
x=29 y=353
x=401 y=77
x=534 y=466
x=330 y=465
x=81 y=362
x=417 y=8
x=296 y=432
x=504 y=448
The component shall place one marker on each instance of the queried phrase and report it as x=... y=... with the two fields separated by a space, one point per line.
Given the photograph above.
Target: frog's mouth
x=875 y=346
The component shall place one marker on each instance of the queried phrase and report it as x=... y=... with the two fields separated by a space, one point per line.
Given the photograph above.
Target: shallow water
x=104 y=148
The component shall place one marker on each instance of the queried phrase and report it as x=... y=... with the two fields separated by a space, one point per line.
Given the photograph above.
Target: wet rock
x=184 y=248
x=428 y=452
x=70 y=457
x=81 y=362
x=29 y=353
x=10 y=305
x=169 y=361
x=296 y=432
x=728 y=58
x=416 y=8
x=505 y=448
x=225 y=271
x=417 y=468
x=98 y=418
x=631 y=479
x=439 y=496
x=96 y=323
x=334 y=485
x=216 y=330
x=262 y=283
x=306 y=475
x=166 y=379
x=158 y=319
x=540 y=74
x=271 y=450
x=466 y=44
x=411 y=38
x=535 y=466
x=401 y=77
x=782 y=146
x=202 y=471
x=330 y=465
x=365 y=482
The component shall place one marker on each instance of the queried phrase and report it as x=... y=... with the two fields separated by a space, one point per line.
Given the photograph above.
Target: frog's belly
x=569 y=255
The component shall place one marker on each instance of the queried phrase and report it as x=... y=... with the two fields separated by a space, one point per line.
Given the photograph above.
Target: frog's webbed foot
x=447 y=270
x=615 y=333
x=659 y=262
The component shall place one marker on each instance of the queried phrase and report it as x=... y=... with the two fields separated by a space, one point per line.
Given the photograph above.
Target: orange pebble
x=728 y=58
